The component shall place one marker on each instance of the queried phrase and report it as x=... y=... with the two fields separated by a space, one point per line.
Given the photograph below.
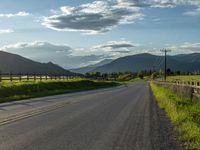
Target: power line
x=165 y=51
x=155 y=62
x=158 y=61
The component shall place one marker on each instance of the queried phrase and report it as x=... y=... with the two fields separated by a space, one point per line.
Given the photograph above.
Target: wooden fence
x=190 y=89
x=186 y=83
x=29 y=76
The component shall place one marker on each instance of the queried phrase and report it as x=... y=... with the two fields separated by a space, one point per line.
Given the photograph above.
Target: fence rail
x=31 y=76
x=195 y=84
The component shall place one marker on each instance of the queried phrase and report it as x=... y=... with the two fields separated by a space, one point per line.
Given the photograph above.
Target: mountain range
x=134 y=63
x=145 y=61
x=18 y=64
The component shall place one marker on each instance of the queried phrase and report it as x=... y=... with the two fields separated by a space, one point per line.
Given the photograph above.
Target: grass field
x=184 y=114
x=195 y=78
x=11 y=91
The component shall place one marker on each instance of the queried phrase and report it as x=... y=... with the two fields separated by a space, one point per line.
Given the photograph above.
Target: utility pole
x=165 y=51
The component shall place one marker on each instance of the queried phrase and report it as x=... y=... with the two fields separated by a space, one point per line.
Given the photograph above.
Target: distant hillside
x=15 y=64
x=89 y=68
x=145 y=61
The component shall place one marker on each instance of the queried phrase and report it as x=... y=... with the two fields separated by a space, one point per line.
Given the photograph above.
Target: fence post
x=11 y=79
x=46 y=76
x=20 y=76
x=40 y=77
x=27 y=77
x=34 y=77
x=0 y=76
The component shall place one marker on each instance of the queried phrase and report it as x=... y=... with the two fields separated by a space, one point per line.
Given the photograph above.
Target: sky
x=76 y=33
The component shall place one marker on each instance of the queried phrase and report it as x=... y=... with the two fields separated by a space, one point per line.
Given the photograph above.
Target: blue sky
x=75 y=33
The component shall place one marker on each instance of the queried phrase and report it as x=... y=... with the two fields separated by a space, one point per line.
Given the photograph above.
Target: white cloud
x=113 y=45
x=186 y=48
x=159 y=3
x=36 y=46
x=92 y=18
x=195 y=12
x=115 y=49
x=5 y=31
x=156 y=19
x=19 y=14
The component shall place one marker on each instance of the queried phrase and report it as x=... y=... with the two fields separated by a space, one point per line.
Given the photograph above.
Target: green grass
x=11 y=91
x=195 y=78
x=184 y=115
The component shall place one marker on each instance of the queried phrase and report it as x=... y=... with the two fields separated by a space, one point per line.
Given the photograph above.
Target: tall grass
x=10 y=91
x=184 y=114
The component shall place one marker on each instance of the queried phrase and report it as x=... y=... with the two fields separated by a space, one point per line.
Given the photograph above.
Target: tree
x=168 y=71
x=154 y=75
x=140 y=75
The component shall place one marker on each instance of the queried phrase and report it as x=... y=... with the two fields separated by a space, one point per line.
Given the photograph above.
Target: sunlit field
x=195 y=78
x=17 y=90
x=8 y=83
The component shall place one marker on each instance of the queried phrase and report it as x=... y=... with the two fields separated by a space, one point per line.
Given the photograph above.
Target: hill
x=145 y=61
x=16 y=64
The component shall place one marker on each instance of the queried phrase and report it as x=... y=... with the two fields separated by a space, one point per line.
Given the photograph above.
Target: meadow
x=17 y=90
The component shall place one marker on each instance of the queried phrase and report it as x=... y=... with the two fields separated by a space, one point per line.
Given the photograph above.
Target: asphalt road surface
x=120 y=118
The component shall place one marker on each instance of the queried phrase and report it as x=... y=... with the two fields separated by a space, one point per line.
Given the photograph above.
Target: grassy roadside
x=12 y=91
x=184 y=115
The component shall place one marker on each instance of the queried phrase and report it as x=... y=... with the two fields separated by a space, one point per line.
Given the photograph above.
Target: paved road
x=123 y=118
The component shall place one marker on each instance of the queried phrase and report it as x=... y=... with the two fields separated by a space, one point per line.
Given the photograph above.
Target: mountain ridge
x=146 y=61
x=17 y=64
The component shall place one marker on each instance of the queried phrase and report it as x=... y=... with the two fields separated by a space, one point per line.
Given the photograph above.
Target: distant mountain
x=16 y=64
x=194 y=57
x=89 y=68
x=145 y=61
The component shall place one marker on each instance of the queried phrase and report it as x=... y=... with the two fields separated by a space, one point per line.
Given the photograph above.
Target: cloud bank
x=46 y=52
x=69 y=57
x=186 y=47
x=93 y=18
x=102 y=16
